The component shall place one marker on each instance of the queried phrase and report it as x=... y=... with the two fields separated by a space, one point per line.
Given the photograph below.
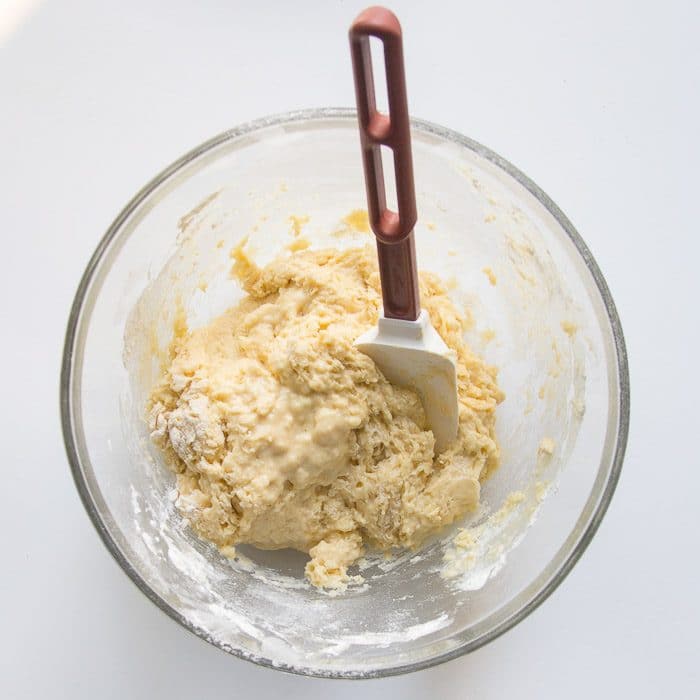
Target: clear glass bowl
x=548 y=323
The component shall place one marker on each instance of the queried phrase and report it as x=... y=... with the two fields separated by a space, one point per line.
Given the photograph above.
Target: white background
x=597 y=101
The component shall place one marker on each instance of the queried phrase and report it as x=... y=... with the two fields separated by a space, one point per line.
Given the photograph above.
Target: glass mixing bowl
x=541 y=312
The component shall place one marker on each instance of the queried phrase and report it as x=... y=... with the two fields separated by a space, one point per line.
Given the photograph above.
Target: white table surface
x=597 y=101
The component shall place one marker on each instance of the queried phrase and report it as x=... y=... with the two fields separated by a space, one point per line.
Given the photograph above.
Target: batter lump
x=283 y=434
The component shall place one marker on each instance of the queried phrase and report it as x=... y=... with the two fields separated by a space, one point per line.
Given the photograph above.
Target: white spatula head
x=412 y=354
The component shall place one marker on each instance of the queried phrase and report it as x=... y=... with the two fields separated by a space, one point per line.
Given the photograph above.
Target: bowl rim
x=604 y=497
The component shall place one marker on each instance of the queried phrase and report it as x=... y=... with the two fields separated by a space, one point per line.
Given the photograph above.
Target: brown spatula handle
x=394 y=230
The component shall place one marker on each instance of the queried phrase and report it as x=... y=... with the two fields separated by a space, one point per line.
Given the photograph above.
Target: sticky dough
x=283 y=434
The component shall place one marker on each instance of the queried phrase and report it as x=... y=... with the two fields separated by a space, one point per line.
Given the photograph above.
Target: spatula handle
x=394 y=230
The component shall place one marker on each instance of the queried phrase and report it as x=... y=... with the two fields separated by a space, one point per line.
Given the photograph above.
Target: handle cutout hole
x=392 y=202
x=381 y=96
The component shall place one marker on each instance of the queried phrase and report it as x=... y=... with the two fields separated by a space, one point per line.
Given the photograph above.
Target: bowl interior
x=513 y=264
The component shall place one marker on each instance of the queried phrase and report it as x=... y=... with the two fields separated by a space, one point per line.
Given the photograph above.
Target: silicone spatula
x=404 y=344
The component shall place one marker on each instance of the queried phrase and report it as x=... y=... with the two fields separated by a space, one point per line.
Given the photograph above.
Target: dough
x=283 y=434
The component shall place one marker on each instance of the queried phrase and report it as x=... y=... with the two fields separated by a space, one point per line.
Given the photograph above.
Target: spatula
x=404 y=345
